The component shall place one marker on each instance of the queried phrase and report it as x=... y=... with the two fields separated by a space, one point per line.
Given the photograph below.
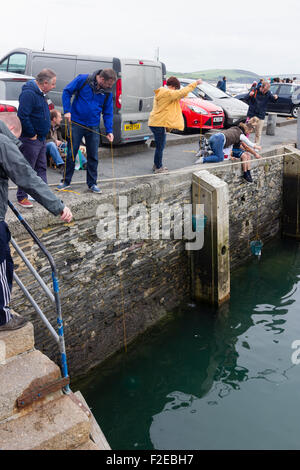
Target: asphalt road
x=179 y=153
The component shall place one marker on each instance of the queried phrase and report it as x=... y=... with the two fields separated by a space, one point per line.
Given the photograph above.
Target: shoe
x=162 y=169
x=248 y=178
x=62 y=186
x=84 y=166
x=25 y=203
x=30 y=198
x=95 y=189
x=200 y=160
x=14 y=323
x=199 y=153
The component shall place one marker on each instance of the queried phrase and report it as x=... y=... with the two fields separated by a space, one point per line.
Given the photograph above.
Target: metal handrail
x=56 y=299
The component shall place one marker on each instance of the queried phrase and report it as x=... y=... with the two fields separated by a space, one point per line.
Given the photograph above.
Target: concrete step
x=57 y=425
x=20 y=374
x=16 y=342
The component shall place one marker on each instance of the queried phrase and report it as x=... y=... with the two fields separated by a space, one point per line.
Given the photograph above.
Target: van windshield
x=11 y=90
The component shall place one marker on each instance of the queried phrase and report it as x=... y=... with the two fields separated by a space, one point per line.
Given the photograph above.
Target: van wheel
x=294 y=112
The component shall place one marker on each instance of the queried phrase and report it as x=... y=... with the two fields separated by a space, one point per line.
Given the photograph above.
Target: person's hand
x=251 y=93
x=258 y=147
x=199 y=81
x=34 y=137
x=66 y=215
x=276 y=97
x=257 y=155
x=110 y=137
x=68 y=116
x=58 y=142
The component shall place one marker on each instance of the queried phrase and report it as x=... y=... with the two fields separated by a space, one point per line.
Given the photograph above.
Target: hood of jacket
x=92 y=81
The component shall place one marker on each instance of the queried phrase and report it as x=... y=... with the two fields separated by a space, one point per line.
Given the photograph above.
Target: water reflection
x=197 y=378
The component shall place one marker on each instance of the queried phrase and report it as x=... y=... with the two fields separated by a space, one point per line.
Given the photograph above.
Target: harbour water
x=207 y=379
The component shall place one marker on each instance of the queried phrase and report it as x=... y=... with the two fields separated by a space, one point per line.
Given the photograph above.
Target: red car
x=201 y=114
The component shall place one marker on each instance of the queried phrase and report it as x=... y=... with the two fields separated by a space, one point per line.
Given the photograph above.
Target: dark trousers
x=6 y=273
x=92 y=140
x=160 y=142
x=35 y=153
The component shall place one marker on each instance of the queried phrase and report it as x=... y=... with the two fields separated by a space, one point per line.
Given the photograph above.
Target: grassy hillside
x=213 y=75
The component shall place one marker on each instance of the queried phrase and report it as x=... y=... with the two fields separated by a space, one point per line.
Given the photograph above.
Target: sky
x=259 y=36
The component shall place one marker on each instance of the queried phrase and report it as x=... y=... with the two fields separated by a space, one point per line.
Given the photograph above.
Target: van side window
x=4 y=64
x=17 y=63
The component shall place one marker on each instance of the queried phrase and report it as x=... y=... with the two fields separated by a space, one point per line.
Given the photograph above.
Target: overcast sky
x=259 y=36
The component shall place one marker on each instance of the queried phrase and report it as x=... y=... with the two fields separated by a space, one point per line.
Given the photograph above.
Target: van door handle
x=140 y=105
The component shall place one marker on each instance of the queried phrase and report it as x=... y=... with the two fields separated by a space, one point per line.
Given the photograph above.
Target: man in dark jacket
x=13 y=165
x=258 y=100
x=34 y=115
x=222 y=84
x=93 y=97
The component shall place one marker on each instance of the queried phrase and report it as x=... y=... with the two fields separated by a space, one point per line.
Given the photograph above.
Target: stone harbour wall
x=113 y=290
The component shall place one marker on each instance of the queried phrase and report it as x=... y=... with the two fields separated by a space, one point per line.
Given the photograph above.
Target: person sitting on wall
x=242 y=151
x=55 y=144
x=14 y=165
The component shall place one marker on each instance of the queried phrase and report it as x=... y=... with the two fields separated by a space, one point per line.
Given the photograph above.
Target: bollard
x=271 y=124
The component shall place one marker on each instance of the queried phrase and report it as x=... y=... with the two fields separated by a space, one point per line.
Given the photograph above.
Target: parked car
x=200 y=114
x=286 y=103
x=235 y=111
x=133 y=92
x=10 y=90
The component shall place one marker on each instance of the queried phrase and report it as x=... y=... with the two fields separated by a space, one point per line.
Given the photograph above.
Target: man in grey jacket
x=13 y=165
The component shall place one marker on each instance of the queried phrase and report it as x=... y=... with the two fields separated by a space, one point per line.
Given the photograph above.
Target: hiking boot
x=248 y=178
x=94 y=188
x=25 y=203
x=162 y=169
x=62 y=186
x=14 y=323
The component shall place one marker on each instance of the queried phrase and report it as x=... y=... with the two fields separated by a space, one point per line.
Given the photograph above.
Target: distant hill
x=213 y=75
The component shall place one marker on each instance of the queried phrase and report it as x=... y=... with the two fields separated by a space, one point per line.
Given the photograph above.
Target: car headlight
x=197 y=110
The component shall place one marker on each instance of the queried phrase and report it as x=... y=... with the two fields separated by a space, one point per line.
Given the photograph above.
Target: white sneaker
x=200 y=160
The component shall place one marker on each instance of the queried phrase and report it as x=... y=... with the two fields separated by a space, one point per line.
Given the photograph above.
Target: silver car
x=10 y=90
x=235 y=111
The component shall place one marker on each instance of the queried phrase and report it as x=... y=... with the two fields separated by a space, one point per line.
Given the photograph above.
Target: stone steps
x=54 y=422
x=57 y=425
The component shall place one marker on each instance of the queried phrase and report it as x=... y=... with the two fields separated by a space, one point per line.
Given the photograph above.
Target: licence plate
x=218 y=119
x=132 y=127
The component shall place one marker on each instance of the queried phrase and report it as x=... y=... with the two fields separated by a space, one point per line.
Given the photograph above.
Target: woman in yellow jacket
x=166 y=113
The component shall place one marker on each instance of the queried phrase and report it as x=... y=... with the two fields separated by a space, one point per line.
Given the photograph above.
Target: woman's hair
x=173 y=81
x=250 y=126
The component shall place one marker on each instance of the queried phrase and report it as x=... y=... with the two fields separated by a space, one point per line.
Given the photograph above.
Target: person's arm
x=178 y=94
x=248 y=142
x=21 y=173
x=107 y=113
x=69 y=91
x=26 y=104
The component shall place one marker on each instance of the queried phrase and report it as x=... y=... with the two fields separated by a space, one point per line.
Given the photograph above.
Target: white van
x=133 y=91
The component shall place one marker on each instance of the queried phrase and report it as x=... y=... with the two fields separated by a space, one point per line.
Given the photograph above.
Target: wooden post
x=210 y=265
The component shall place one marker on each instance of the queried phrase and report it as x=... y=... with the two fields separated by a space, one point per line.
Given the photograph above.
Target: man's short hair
x=45 y=75
x=54 y=113
x=108 y=74
x=173 y=81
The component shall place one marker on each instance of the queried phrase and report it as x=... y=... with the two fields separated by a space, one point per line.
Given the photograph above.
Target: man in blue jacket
x=258 y=100
x=34 y=115
x=93 y=96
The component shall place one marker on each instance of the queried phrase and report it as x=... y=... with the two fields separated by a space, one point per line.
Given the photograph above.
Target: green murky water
x=203 y=379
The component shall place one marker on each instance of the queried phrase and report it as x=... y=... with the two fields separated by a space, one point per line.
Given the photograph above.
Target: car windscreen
x=212 y=91
x=11 y=89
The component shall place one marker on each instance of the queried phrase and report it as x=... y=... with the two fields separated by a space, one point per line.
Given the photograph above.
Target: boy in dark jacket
x=13 y=165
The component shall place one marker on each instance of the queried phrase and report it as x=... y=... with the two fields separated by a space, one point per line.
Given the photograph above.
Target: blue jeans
x=6 y=273
x=52 y=150
x=216 y=142
x=160 y=142
x=92 y=140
